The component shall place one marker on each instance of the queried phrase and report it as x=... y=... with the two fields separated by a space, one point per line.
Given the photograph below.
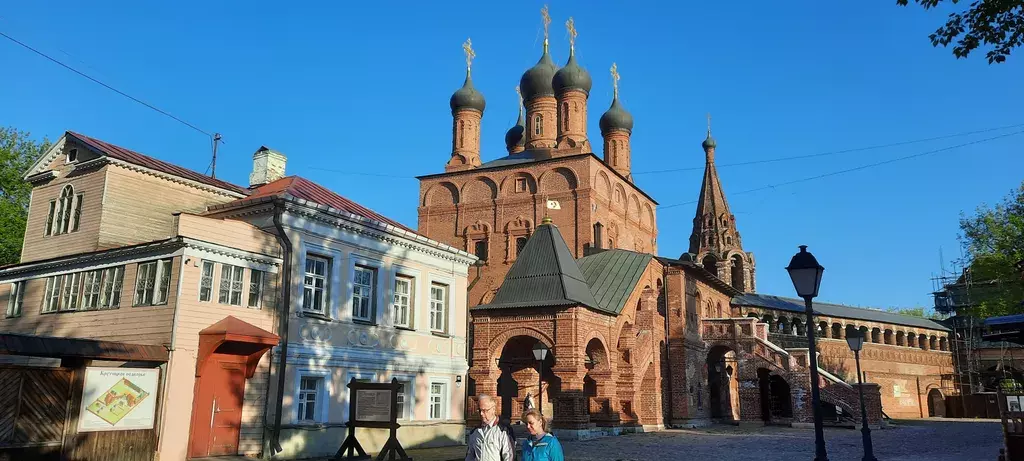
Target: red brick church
x=636 y=341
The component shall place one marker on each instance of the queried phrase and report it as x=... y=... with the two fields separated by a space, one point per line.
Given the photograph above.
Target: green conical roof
x=544 y=274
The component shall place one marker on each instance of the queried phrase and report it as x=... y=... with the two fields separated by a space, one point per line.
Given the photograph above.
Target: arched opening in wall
x=936 y=404
x=783 y=326
x=538 y=125
x=823 y=330
x=662 y=305
x=901 y=338
x=776 y=403
x=933 y=343
x=737 y=273
x=519 y=378
x=770 y=320
x=888 y=337
x=710 y=264
x=876 y=335
x=851 y=330
x=837 y=331
x=723 y=386
x=911 y=339
x=798 y=327
x=754 y=315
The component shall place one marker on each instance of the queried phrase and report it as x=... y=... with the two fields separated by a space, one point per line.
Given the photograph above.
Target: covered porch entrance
x=228 y=353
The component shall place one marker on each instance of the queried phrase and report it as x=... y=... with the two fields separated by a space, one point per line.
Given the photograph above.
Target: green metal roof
x=544 y=274
x=612 y=276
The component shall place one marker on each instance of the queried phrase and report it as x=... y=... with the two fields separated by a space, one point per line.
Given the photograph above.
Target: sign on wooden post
x=372 y=405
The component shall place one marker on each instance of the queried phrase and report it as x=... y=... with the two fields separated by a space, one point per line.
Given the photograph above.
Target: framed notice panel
x=373 y=405
x=118 y=399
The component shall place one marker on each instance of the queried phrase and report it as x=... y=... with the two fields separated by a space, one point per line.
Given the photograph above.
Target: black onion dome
x=516 y=136
x=467 y=97
x=572 y=77
x=616 y=118
x=537 y=80
x=709 y=142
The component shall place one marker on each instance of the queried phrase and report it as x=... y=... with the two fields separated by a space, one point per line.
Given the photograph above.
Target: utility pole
x=213 y=165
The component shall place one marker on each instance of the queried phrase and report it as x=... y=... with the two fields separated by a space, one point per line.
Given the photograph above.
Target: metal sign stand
x=392 y=450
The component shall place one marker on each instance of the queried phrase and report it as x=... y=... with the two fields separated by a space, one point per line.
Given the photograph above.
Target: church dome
x=709 y=142
x=516 y=136
x=572 y=77
x=537 y=80
x=616 y=118
x=467 y=97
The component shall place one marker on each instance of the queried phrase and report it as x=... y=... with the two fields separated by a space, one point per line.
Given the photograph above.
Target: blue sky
x=362 y=88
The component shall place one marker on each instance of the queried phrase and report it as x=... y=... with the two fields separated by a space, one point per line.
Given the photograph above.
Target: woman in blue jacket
x=540 y=446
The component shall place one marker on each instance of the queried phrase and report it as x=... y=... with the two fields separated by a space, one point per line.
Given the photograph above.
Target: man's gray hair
x=484 y=398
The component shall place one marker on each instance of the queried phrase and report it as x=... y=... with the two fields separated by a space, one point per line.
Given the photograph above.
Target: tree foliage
x=994 y=241
x=17 y=153
x=998 y=24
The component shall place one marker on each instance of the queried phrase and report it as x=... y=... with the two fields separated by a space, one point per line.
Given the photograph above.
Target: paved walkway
x=922 y=440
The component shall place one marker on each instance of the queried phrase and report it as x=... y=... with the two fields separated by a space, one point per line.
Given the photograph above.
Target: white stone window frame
x=415 y=302
x=323 y=394
x=409 y=414
x=449 y=282
x=377 y=314
x=329 y=308
x=446 y=397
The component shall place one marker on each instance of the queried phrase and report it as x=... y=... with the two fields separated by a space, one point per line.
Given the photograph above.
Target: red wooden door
x=217 y=412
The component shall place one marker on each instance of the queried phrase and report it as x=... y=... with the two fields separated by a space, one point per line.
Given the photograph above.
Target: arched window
x=462 y=134
x=538 y=124
x=64 y=213
x=565 y=116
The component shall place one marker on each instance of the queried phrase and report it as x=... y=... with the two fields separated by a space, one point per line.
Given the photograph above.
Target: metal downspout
x=284 y=313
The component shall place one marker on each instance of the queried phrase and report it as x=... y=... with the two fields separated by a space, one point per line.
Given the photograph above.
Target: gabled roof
x=145 y=161
x=612 y=276
x=835 y=310
x=544 y=274
x=302 y=188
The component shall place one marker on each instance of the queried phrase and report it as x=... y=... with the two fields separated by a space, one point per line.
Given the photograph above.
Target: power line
x=72 y=69
x=845 y=151
x=858 y=168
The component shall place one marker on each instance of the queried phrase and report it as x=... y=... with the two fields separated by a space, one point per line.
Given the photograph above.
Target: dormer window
x=65 y=213
x=72 y=156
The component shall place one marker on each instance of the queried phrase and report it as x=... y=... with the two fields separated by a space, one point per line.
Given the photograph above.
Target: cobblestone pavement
x=931 y=440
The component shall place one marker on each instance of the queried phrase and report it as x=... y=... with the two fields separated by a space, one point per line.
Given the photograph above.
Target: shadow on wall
x=337 y=351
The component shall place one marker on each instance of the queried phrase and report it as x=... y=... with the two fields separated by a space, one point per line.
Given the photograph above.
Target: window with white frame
x=230 y=285
x=404 y=398
x=403 y=304
x=152 y=283
x=64 y=213
x=438 y=400
x=363 y=293
x=206 y=282
x=309 y=398
x=314 y=292
x=51 y=299
x=256 y=280
x=91 y=289
x=69 y=292
x=110 y=297
x=72 y=156
x=15 y=299
x=439 y=307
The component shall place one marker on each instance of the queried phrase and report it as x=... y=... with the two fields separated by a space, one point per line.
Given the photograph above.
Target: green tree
x=17 y=153
x=994 y=241
x=998 y=24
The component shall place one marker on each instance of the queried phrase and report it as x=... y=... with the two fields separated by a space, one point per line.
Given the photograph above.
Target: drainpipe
x=668 y=338
x=285 y=314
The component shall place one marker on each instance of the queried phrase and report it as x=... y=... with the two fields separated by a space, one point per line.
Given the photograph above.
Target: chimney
x=267 y=167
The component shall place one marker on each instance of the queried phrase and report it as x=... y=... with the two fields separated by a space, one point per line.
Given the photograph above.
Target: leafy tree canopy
x=998 y=24
x=17 y=153
x=994 y=241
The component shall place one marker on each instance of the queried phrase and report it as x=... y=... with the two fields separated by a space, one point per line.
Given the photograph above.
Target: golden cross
x=709 y=123
x=572 y=32
x=615 y=79
x=470 y=54
x=547 y=20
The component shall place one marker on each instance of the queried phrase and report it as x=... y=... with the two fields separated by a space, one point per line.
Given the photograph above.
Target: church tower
x=467 y=110
x=616 y=128
x=539 y=97
x=515 y=137
x=715 y=242
x=572 y=85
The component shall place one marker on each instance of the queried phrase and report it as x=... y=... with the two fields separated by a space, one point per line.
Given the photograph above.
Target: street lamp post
x=856 y=342
x=805 y=272
x=540 y=352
